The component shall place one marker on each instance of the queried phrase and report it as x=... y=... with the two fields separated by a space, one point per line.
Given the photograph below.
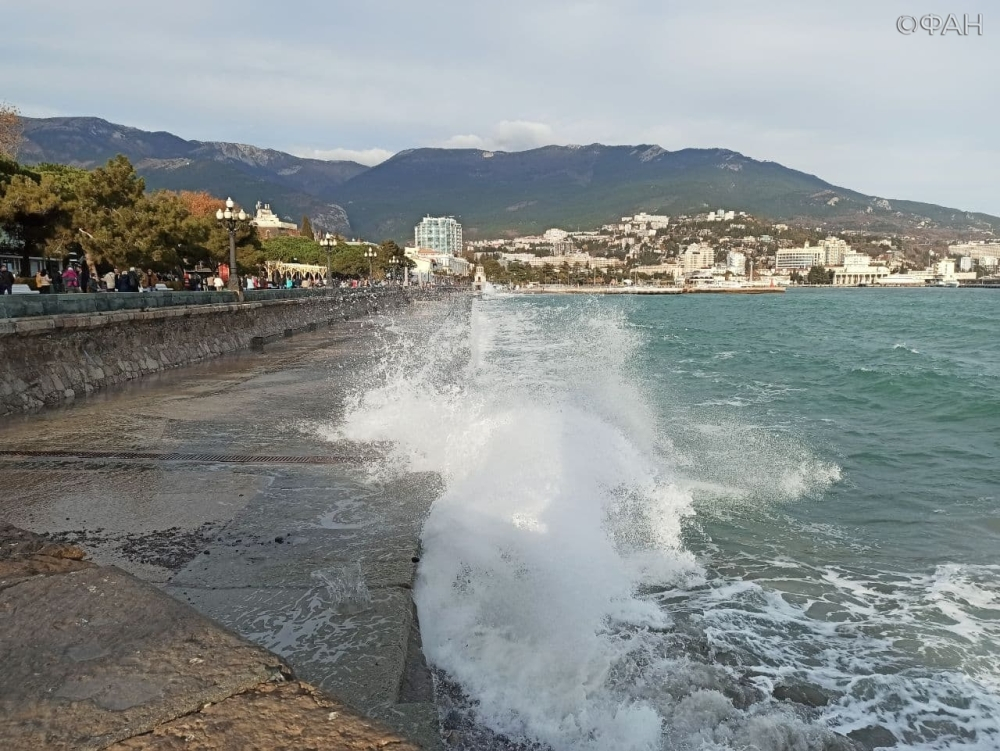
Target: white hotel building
x=440 y=233
x=830 y=252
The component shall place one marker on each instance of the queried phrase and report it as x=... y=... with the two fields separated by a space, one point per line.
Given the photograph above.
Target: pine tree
x=306 y=230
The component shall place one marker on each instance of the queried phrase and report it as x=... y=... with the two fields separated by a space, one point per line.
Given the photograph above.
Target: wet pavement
x=313 y=561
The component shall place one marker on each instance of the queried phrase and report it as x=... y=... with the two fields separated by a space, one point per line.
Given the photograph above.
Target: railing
x=21 y=306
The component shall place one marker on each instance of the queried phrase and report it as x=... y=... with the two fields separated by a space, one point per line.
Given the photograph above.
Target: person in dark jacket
x=6 y=280
x=84 y=276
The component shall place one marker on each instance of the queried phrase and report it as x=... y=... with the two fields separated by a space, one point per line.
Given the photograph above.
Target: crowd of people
x=78 y=278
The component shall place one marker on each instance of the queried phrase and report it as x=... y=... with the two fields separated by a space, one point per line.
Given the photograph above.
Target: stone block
x=95 y=656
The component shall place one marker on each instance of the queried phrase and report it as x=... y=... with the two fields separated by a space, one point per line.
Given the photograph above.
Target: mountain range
x=493 y=193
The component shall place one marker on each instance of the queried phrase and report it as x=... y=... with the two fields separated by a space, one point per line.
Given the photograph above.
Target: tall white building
x=736 y=262
x=834 y=251
x=697 y=256
x=440 y=233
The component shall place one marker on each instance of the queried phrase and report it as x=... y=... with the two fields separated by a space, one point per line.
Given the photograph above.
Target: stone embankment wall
x=52 y=359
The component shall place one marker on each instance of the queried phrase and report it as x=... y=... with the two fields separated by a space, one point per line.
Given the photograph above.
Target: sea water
x=708 y=521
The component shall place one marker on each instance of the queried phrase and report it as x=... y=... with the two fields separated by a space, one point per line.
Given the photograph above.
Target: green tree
x=349 y=260
x=287 y=247
x=818 y=275
x=112 y=214
x=33 y=210
x=306 y=230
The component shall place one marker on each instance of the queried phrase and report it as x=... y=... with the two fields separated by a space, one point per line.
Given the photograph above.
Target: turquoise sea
x=708 y=521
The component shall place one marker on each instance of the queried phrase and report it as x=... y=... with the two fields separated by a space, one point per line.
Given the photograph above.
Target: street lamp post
x=231 y=221
x=370 y=254
x=395 y=266
x=328 y=243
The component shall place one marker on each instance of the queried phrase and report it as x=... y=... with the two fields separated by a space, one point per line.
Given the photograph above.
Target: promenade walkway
x=215 y=485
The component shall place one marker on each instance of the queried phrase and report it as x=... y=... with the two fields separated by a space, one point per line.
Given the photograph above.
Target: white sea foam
x=564 y=500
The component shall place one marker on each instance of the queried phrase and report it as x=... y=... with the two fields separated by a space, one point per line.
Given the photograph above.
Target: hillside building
x=976 y=250
x=269 y=224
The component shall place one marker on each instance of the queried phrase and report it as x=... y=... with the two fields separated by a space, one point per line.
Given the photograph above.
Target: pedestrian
x=42 y=282
x=110 y=280
x=134 y=283
x=152 y=280
x=84 y=277
x=219 y=284
x=6 y=280
x=71 y=279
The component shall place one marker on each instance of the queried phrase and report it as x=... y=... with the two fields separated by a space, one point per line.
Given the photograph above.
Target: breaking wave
x=558 y=588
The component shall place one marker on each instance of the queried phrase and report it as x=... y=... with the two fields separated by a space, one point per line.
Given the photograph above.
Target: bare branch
x=11 y=130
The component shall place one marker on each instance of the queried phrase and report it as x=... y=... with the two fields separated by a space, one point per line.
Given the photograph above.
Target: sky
x=833 y=89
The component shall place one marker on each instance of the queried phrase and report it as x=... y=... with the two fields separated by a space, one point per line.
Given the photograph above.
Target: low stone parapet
x=48 y=359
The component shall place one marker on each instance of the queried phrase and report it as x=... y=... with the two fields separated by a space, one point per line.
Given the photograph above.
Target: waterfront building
x=829 y=252
x=430 y=261
x=965 y=263
x=581 y=260
x=799 y=258
x=697 y=256
x=670 y=268
x=736 y=262
x=945 y=267
x=269 y=224
x=555 y=235
x=858 y=269
x=440 y=233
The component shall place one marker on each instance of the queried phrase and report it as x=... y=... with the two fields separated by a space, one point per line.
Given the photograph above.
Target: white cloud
x=369 y=157
x=516 y=135
x=506 y=135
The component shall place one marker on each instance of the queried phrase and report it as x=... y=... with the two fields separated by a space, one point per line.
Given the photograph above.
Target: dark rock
x=802 y=693
x=838 y=742
x=414 y=559
x=873 y=736
x=742 y=693
x=279 y=540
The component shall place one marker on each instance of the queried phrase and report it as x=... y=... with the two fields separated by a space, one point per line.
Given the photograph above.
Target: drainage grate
x=178 y=457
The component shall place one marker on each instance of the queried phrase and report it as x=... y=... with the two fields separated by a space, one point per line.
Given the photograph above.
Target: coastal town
x=728 y=247
x=723 y=249
x=718 y=249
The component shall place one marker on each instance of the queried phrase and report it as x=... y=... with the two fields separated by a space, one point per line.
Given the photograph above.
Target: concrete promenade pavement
x=93 y=658
x=215 y=484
